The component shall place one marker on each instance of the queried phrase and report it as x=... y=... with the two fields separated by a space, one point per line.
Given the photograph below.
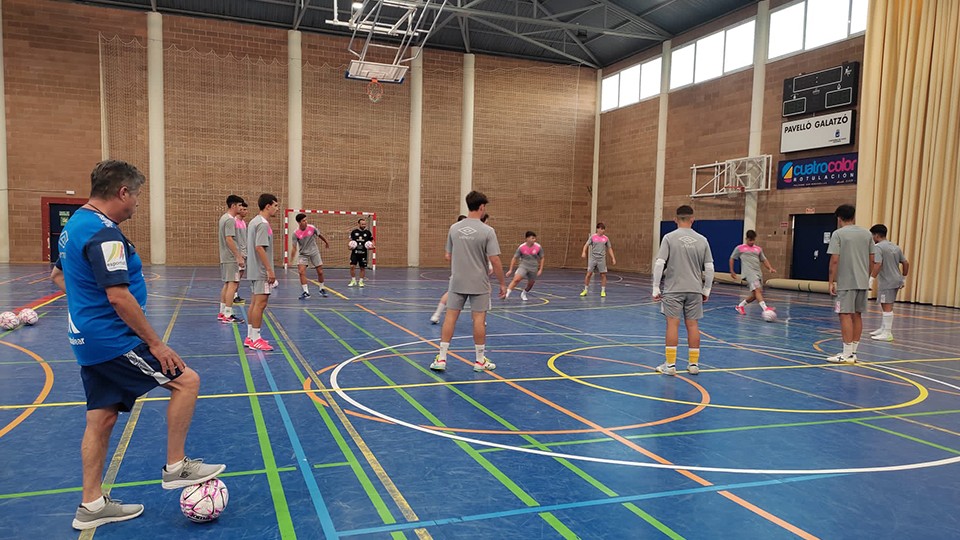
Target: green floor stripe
x=910 y=438
x=328 y=465
x=284 y=520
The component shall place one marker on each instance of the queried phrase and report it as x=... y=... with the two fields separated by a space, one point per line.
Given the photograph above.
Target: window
x=609 y=92
x=650 y=78
x=786 y=30
x=813 y=23
x=858 y=16
x=709 y=63
x=827 y=21
x=738 y=50
x=681 y=66
x=629 y=86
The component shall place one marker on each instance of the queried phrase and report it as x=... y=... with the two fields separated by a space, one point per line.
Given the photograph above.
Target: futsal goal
x=335 y=226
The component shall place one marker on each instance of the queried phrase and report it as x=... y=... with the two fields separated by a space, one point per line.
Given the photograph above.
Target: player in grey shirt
x=598 y=244
x=260 y=271
x=231 y=260
x=471 y=244
x=890 y=279
x=529 y=262
x=241 y=244
x=685 y=264
x=308 y=253
x=852 y=261
x=750 y=256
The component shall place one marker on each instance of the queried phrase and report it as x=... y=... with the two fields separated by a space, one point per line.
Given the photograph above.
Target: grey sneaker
x=194 y=471
x=487 y=365
x=111 y=512
x=667 y=369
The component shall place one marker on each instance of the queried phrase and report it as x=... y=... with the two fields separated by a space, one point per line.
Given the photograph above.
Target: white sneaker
x=487 y=365
x=841 y=359
x=883 y=336
x=352 y=283
x=523 y=295
x=438 y=365
x=877 y=332
x=667 y=369
x=435 y=318
x=693 y=369
x=508 y=294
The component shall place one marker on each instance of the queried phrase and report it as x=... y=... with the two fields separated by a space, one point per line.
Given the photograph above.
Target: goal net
x=335 y=226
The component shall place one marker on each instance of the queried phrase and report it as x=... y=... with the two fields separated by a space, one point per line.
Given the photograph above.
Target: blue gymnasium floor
x=574 y=435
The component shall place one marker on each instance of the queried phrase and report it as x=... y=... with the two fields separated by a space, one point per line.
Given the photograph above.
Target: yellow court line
x=327 y=287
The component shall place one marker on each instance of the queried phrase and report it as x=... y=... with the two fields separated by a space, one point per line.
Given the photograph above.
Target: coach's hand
x=656 y=294
x=503 y=292
x=271 y=278
x=169 y=360
x=833 y=288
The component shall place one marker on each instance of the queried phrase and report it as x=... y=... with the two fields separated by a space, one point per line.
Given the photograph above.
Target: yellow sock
x=694 y=356
x=671 y=356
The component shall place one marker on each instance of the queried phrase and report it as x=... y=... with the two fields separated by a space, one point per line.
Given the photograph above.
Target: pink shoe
x=740 y=310
x=259 y=345
x=248 y=343
x=220 y=317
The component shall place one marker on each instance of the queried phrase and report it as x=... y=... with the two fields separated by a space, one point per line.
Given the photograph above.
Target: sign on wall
x=832 y=170
x=818 y=132
x=832 y=88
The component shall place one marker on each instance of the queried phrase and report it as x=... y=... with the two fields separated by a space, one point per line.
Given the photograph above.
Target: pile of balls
x=11 y=321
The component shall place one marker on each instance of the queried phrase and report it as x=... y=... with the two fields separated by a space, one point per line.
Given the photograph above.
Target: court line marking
x=670 y=466
x=114 y=468
x=44 y=391
x=626 y=442
x=290 y=347
x=327 y=287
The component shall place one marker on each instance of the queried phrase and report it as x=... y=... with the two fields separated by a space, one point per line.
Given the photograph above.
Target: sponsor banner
x=818 y=132
x=833 y=170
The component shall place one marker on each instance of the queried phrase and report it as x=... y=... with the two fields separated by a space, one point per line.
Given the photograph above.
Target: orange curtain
x=909 y=166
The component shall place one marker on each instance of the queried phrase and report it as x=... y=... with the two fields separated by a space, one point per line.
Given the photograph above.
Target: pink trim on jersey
x=241 y=224
x=743 y=248
x=599 y=239
x=303 y=233
x=529 y=250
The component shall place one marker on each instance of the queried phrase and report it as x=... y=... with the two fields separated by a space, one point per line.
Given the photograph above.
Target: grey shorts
x=682 y=305
x=528 y=273
x=478 y=302
x=312 y=261
x=851 y=301
x=754 y=281
x=597 y=266
x=230 y=272
x=887 y=296
x=260 y=286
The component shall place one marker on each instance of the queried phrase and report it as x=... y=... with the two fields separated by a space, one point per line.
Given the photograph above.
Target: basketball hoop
x=374 y=90
x=732 y=191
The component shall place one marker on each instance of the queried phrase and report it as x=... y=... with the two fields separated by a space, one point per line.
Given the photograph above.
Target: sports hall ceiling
x=595 y=33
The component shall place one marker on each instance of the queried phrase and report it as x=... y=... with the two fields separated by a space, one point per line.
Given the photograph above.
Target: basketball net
x=732 y=191
x=374 y=90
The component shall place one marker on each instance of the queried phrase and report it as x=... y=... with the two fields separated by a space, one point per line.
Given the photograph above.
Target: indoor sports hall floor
x=343 y=432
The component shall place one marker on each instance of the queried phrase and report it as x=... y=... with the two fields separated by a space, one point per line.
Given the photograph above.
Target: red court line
x=619 y=438
x=40 y=302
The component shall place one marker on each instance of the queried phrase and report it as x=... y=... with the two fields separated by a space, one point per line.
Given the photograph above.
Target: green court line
x=284 y=520
x=328 y=465
x=78 y=489
x=504 y=422
x=729 y=429
x=910 y=438
x=368 y=487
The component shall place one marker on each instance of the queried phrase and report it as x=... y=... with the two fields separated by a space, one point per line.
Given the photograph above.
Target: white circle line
x=556 y=455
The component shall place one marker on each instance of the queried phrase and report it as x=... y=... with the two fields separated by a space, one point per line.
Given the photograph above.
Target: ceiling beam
x=568 y=32
x=478 y=14
x=634 y=18
x=532 y=41
x=299 y=12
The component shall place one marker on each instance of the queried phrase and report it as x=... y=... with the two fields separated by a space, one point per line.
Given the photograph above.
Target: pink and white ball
x=28 y=317
x=352 y=244
x=368 y=244
x=204 y=502
x=769 y=315
x=9 y=320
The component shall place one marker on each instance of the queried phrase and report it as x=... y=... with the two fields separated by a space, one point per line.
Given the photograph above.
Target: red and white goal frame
x=287 y=248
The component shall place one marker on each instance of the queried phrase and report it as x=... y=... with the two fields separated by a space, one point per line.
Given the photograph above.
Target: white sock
x=853 y=347
x=763 y=305
x=174 y=467
x=321 y=286
x=603 y=289
x=254 y=334
x=306 y=288
x=481 y=352
x=249 y=330
x=444 y=347
x=847 y=349
x=236 y=295
x=743 y=303
x=888 y=321
x=440 y=307
x=222 y=307
x=228 y=311
x=96 y=505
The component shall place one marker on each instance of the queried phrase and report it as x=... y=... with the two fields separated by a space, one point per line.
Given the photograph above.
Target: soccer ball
x=769 y=315
x=9 y=320
x=28 y=316
x=368 y=244
x=352 y=244
x=204 y=502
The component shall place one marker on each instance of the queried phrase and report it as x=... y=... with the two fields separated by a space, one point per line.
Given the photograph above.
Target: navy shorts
x=120 y=381
x=358 y=259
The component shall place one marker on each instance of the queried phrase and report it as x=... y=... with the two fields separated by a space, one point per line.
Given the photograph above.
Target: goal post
x=335 y=226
